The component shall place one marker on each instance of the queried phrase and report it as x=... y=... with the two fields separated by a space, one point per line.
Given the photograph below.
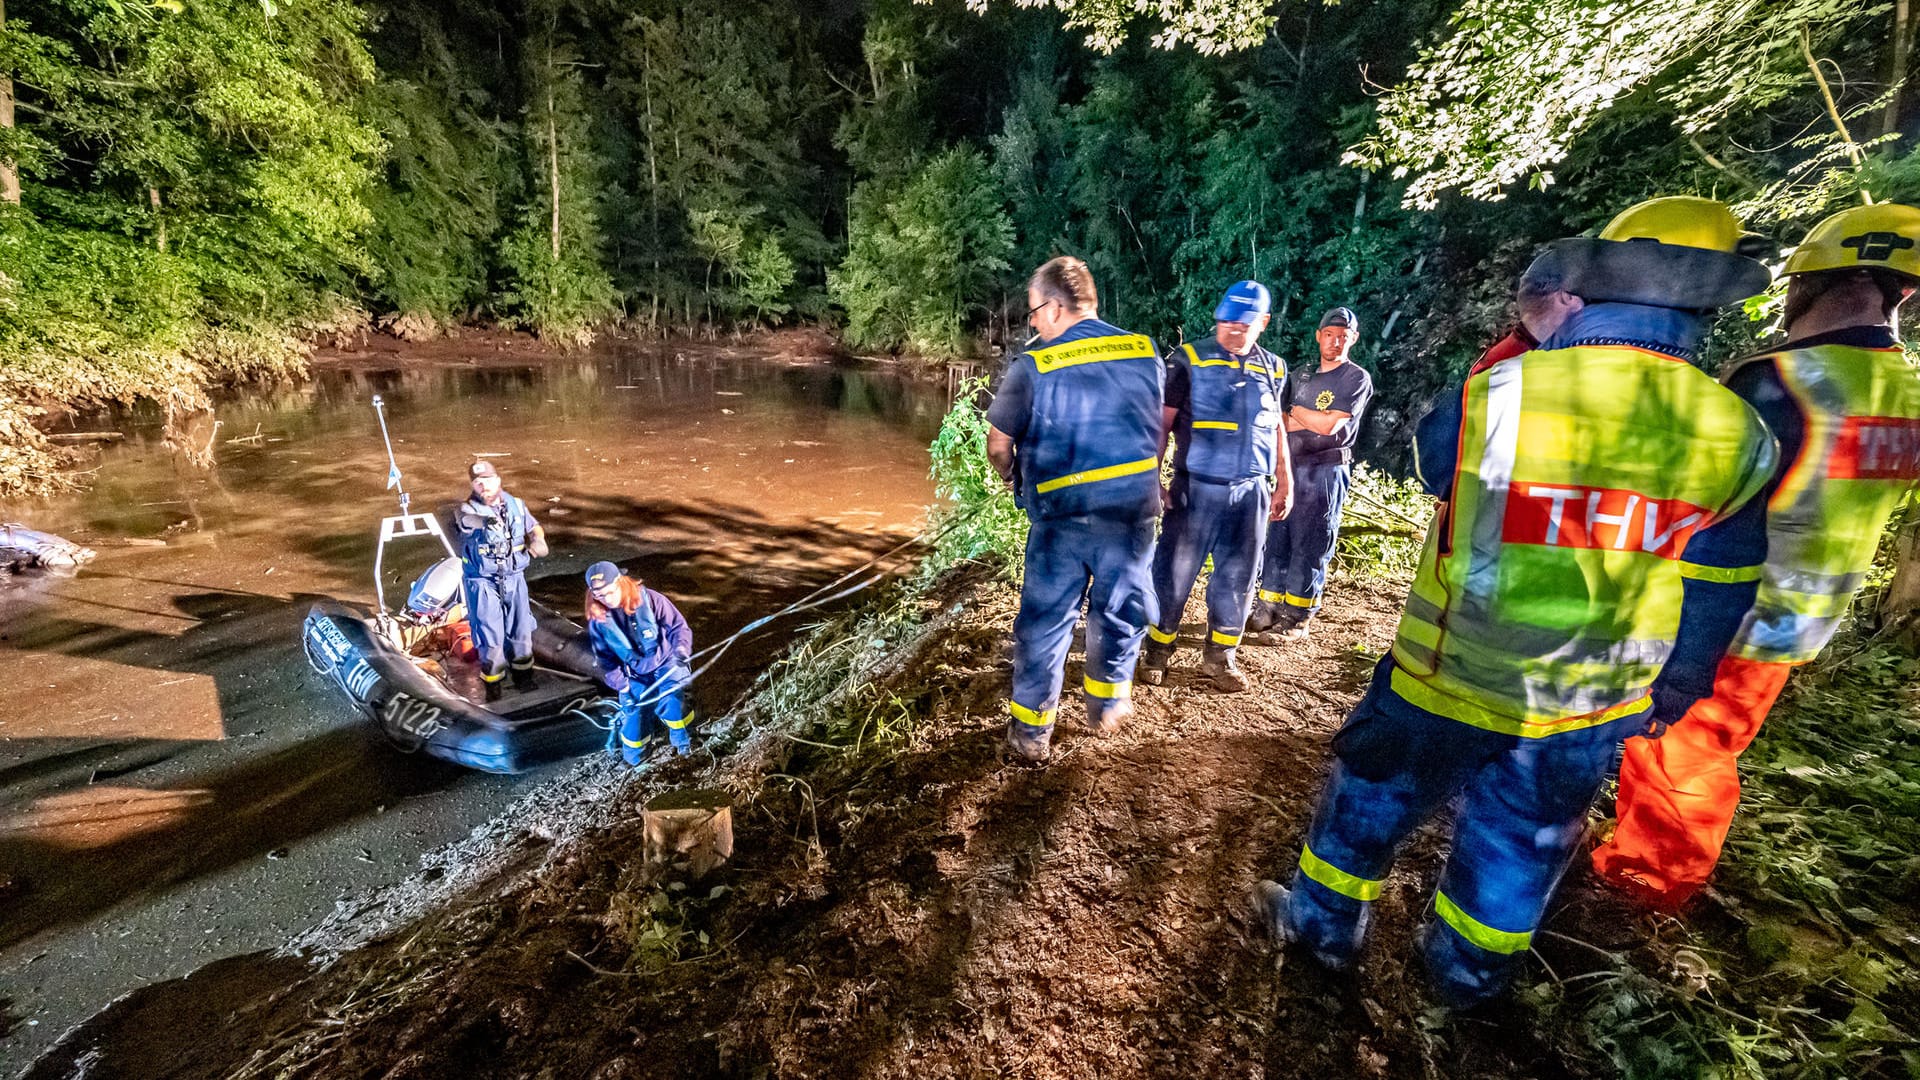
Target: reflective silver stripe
x=1497 y=456
x=1812 y=582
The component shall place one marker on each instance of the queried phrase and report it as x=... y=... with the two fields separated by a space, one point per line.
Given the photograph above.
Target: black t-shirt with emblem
x=1346 y=389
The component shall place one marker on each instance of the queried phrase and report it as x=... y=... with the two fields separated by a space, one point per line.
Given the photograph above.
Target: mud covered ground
x=902 y=903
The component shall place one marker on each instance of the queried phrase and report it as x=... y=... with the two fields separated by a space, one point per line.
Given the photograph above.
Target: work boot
x=493 y=690
x=1294 y=630
x=1153 y=662
x=1262 y=616
x=1027 y=744
x=1105 y=715
x=523 y=678
x=1217 y=663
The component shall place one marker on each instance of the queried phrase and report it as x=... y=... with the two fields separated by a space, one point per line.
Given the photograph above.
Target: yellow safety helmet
x=1881 y=237
x=1682 y=220
x=1679 y=252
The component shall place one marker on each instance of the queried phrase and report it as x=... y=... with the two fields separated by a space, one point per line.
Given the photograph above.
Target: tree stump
x=694 y=825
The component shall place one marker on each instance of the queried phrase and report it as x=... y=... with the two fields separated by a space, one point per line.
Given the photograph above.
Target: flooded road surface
x=177 y=787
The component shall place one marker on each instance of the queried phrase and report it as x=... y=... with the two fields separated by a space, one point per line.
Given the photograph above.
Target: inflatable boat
x=415 y=675
x=23 y=548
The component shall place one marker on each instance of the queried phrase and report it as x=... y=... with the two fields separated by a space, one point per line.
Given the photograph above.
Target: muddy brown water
x=175 y=785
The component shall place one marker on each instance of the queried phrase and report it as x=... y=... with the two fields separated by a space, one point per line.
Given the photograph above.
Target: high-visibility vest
x=1092 y=442
x=1861 y=454
x=1548 y=594
x=1234 y=405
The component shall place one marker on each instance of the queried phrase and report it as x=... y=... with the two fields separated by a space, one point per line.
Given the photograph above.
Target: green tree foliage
x=918 y=262
x=1211 y=27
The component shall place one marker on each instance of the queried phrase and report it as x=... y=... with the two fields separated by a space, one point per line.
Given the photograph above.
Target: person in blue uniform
x=1076 y=432
x=1230 y=476
x=498 y=538
x=643 y=644
x=1323 y=420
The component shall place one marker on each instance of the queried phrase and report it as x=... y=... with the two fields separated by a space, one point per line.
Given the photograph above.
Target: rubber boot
x=1153 y=662
x=1292 y=629
x=1217 y=663
x=523 y=677
x=493 y=689
x=1105 y=715
x=1270 y=910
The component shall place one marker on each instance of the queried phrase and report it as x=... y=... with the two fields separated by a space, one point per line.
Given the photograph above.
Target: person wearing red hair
x=643 y=645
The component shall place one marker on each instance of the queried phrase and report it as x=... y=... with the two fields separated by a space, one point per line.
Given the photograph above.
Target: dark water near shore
x=176 y=787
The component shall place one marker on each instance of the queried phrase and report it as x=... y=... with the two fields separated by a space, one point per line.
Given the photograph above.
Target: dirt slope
x=917 y=909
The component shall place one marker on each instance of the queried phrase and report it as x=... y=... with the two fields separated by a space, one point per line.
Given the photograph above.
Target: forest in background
x=190 y=187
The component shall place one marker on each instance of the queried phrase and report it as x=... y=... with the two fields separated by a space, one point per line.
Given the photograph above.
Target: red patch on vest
x=1568 y=515
x=1876 y=448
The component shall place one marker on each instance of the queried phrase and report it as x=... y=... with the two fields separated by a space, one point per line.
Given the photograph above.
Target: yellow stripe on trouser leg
x=492 y=677
x=624 y=741
x=677 y=725
x=1223 y=637
x=1272 y=597
x=1351 y=886
x=1164 y=637
x=1477 y=933
x=1030 y=717
x=1109 y=689
x=1300 y=601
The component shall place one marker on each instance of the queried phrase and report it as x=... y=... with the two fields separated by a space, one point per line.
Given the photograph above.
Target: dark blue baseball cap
x=1340 y=316
x=1244 y=301
x=602 y=574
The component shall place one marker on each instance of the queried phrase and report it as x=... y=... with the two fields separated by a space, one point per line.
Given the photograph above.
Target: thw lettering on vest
x=1876 y=448
x=1568 y=515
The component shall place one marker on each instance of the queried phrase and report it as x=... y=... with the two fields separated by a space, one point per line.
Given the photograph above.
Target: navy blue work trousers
x=1227 y=521
x=1099 y=561
x=502 y=623
x=1522 y=813
x=1299 y=549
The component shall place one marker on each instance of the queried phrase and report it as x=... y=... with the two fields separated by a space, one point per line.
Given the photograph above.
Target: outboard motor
x=435 y=593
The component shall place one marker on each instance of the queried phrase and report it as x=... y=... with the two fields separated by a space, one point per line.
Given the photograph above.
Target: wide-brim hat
x=1681 y=251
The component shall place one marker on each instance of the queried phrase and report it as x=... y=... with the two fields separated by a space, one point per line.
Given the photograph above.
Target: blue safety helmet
x=1244 y=301
x=602 y=574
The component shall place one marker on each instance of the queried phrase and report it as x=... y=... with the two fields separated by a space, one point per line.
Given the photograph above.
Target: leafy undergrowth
x=1804 y=959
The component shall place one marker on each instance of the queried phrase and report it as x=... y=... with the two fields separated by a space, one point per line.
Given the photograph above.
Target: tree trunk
x=9 y=175
x=160 y=234
x=653 y=176
x=1897 y=70
x=1903 y=597
x=553 y=169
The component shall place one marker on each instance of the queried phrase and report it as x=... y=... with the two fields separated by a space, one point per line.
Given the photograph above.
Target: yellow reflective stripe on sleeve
x=624 y=741
x=1092 y=351
x=1272 y=597
x=1351 y=886
x=1110 y=472
x=1301 y=601
x=1215 y=425
x=1030 y=717
x=1726 y=575
x=1235 y=364
x=1164 y=637
x=1478 y=933
x=1109 y=689
x=1222 y=637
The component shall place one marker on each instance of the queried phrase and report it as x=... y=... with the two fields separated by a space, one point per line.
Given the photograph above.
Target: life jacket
x=1860 y=455
x=498 y=546
x=627 y=635
x=1092 y=442
x=1234 y=413
x=1549 y=590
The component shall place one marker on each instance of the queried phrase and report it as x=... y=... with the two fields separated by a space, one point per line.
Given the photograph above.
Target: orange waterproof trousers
x=1678 y=792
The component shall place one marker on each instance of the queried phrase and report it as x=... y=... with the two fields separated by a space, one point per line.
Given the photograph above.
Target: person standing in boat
x=643 y=645
x=498 y=538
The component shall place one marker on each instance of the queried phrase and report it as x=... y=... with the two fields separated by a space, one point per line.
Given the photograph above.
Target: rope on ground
x=812 y=600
